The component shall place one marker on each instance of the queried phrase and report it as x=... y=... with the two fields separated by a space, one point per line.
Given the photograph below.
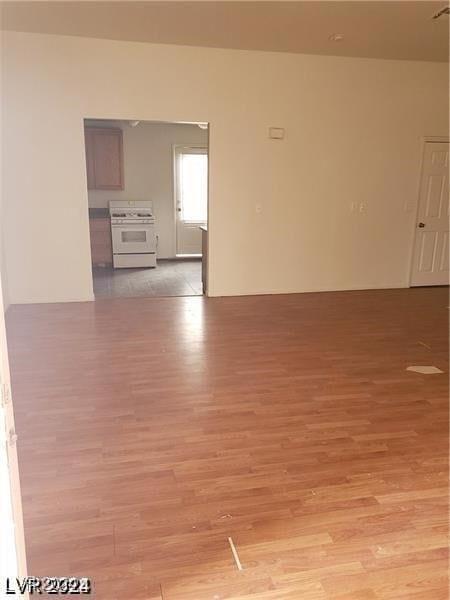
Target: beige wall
x=3 y=283
x=354 y=130
x=148 y=170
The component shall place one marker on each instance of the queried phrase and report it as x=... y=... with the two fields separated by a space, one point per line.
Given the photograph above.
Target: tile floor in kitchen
x=170 y=278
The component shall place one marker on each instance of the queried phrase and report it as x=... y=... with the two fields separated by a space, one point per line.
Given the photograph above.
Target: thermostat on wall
x=276 y=133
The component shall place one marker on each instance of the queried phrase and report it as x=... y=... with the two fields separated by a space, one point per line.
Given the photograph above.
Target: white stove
x=133 y=233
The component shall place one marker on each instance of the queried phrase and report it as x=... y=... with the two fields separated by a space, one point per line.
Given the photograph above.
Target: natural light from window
x=194 y=187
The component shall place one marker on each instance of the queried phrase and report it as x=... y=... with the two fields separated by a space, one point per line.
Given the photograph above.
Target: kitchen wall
x=282 y=214
x=148 y=171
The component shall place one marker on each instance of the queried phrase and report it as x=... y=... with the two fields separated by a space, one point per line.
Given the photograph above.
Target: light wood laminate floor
x=178 y=277
x=151 y=430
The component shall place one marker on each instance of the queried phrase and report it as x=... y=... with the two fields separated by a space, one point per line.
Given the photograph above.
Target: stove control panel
x=132 y=221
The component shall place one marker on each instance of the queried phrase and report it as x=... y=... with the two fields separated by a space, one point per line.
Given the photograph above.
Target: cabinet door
x=101 y=248
x=104 y=158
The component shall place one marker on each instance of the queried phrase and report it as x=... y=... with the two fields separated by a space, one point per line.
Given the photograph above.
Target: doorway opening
x=148 y=207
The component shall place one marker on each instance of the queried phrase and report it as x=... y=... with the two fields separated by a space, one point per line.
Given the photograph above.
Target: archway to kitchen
x=147 y=200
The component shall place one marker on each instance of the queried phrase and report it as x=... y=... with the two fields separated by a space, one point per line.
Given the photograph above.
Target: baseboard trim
x=90 y=298
x=214 y=294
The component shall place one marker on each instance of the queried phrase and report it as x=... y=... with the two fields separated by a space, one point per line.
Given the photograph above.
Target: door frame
x=8 y=437
x=428 y=139
x=175 y=149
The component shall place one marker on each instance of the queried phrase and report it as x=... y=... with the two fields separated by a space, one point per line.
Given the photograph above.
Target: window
x=192 y=185
x=133 y=236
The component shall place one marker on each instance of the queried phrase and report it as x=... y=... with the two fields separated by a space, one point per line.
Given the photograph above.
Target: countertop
x=99 y=213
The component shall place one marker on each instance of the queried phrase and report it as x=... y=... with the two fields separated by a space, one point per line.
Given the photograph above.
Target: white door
x=12 y=542
x=430 y=254
x=191 y=191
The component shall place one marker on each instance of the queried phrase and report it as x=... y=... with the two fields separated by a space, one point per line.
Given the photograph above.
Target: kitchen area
x=147 y=201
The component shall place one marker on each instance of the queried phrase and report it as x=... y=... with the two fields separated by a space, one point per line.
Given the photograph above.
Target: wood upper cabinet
x=104 y=158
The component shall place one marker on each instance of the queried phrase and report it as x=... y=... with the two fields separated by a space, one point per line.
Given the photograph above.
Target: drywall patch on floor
x=424 y=369
x=235 y=554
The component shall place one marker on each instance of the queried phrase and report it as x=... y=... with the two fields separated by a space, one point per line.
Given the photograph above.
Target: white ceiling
x=387 y=29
